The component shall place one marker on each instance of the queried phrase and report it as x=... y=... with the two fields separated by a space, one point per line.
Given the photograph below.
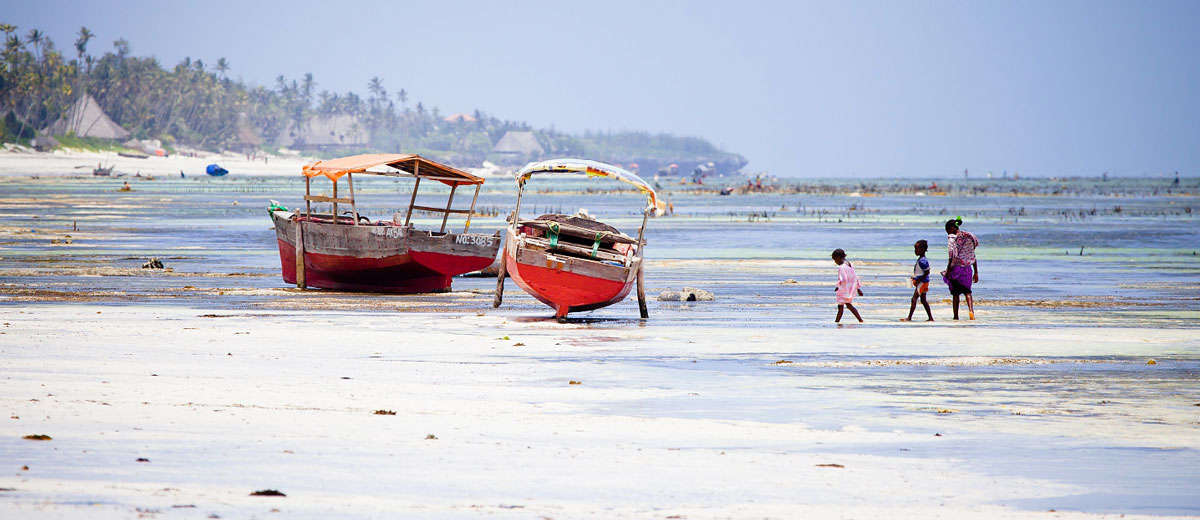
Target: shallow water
x=1052 y=381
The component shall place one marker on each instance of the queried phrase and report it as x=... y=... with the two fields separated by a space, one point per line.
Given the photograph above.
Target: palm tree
x=402 y=97
x=222 y=66
x=375 y=86
x=81 y=44
x=122 y=48
x=36 y=37
x=306 y=90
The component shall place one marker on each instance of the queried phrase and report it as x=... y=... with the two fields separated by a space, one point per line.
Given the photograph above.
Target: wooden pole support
x=500 y=279
x=641 y=288
x=300 y=282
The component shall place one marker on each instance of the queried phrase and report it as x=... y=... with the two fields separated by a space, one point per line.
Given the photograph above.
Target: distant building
x=518 y=146
x=325 y=133
x=465 y=118
x=86 y=119
x=248 y=140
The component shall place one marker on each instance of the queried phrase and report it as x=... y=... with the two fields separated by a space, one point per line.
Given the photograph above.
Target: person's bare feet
x=905 y=319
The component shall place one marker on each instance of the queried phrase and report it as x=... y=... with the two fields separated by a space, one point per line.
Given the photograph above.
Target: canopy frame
x=590 y=168
x=400 y=164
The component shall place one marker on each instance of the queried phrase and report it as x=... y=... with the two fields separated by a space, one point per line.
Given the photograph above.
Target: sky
x=830 y=89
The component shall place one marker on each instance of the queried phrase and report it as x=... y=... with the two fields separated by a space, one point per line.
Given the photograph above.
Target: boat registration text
x=475 y=240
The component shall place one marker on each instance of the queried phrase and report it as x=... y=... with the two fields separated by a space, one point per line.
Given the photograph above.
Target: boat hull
x=372 y=258
x=565 y=283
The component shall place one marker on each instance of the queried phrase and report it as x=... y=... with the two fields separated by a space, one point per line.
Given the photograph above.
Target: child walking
x=847 y=285
x=920 y=281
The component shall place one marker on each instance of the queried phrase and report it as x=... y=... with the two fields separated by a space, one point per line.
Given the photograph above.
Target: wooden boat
x=574 y=263
x=103 y=171
x=353 y=253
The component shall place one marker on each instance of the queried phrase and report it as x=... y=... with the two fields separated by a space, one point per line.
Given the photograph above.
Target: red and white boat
x=574 y=263
x=350 y=252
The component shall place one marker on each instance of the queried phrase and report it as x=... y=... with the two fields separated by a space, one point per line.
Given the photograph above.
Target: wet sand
x=177 y=393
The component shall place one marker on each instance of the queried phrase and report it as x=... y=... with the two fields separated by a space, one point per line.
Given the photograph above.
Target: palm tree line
x=196 y=104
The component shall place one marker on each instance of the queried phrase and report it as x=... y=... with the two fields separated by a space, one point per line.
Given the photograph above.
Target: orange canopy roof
x=409 y=163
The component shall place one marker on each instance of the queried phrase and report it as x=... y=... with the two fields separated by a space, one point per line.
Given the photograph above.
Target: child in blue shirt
x=920 y=280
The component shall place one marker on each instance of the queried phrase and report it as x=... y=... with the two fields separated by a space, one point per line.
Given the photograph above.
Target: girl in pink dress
x=847 y=286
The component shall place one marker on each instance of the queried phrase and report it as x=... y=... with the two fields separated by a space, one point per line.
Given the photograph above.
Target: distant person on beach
x=847 y=285
x=961 y=268
x=920 y=281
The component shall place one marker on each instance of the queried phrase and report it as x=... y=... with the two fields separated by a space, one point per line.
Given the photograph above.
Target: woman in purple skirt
x=962 y=269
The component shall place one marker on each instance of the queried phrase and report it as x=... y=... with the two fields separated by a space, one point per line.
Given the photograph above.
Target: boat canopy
x=412 y=165
x=591 y=169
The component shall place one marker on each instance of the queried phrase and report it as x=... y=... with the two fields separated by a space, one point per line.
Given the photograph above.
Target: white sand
x=659 y=427
x=78 y=162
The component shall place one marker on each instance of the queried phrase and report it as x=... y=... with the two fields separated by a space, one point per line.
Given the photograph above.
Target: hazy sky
x=814 y=89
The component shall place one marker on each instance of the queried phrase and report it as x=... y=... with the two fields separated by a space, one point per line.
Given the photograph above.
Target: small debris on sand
x=384 y=412
x=154 y=263
x=37 y=437
x=830 y=466
x=267 y=493
x=575 y=382
x=688 y=294
x=431 y=437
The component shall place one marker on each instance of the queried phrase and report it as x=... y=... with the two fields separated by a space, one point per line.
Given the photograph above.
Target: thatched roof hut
x=87 y=119
x=325 y=132
x=519 y=144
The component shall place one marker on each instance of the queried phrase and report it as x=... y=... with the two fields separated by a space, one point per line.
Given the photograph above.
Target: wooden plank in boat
x=322 y=198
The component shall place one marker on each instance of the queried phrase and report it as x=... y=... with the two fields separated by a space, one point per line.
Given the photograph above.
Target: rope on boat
x=596 y=245
x=553 y=234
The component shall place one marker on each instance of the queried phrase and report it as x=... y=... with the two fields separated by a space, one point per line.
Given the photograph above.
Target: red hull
x=398 y=274
x=565 y=291
x=380 y=258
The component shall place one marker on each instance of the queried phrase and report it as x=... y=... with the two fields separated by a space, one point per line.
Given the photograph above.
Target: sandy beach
x=81 y=162
x=488 y=421
x=180 y=392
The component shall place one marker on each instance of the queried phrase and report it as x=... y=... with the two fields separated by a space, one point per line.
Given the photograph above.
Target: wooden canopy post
x=469 y=215
x=335 y=201
x=449 y=202
x=353 y=204
x=307 y=194
x=516 y=214
x=416 y=173
x=642 y=231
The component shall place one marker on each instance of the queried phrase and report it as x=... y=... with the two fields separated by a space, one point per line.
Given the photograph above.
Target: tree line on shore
x=197 y=104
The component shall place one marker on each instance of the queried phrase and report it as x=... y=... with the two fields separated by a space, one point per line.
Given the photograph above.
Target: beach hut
x=87 y=119
x=248 y=141
x=325 y=133
x=518 y=146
